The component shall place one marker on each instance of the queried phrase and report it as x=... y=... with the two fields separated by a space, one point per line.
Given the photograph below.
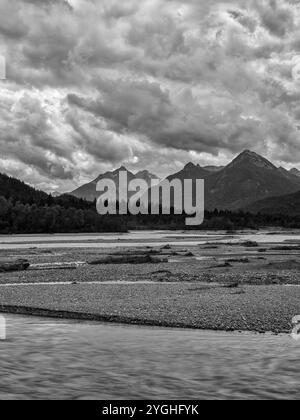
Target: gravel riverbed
x=252 y=308
x=199 y=288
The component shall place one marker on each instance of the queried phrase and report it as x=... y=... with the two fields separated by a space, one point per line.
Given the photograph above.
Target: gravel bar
x=250 y=308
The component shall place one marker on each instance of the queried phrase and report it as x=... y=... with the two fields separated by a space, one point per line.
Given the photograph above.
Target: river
x=141 y=239
x=54 y=359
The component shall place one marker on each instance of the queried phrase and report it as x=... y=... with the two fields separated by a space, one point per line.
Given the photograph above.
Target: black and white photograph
x=149 y=203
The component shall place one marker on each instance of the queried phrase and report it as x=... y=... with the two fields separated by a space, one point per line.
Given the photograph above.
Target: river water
x=140 y=239
x=53 y=359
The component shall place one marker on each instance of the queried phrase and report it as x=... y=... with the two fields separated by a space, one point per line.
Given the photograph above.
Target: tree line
x=17 y=218
x=26 y=210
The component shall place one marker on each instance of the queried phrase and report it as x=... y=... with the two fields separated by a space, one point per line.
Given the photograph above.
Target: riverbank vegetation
x=70 y=215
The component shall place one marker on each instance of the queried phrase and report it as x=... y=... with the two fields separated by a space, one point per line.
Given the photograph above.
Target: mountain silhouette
x=16 y=190
x=295 y=172
x=248 y=179
x=89 y=193
x=191 y=171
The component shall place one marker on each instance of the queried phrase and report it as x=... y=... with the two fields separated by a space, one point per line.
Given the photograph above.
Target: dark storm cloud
x=95 y=141
x=276 y=16
x=94 y=83
x=144 y=109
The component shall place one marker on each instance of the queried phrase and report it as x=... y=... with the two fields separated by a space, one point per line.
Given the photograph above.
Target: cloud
x=94 y=140
x=32 y=137
x=147 y=82
x=276 y=16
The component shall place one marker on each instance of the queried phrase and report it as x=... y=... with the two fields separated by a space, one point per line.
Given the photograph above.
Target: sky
x=93 y=84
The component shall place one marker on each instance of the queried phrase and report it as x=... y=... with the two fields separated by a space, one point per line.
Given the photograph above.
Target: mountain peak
x=248 y=152
x=110 y=174
x=250 y=155
x=145 y=174
x=295 y=171
x=252 y=158
x=190 y=166
x=121 y=169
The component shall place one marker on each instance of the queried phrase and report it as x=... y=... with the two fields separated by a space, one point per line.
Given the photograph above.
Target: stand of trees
x=70 y=217
x=25 y=210
x=54 y=218
x=215 y=220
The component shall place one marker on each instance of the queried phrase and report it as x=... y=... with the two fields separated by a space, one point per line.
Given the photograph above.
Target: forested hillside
x=26 y=210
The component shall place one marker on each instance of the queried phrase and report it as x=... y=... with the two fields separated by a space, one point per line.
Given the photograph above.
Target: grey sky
x=152 y=84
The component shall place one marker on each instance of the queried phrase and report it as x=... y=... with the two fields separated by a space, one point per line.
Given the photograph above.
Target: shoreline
x=119 y=320
x=257 y=309
x=217 y=286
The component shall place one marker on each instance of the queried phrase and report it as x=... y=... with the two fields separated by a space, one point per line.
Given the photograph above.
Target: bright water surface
x=46 y=359
x=138 y=238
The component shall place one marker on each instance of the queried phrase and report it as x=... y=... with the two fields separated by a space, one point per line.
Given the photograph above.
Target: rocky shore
x=255 y=308
x=214 y=286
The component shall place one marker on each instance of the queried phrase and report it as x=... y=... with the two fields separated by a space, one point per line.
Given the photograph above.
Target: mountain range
x=89 y=193
x=247 y=180
x=249 y=183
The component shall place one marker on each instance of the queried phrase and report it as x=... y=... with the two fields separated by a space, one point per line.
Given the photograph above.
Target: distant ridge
x=191 y=171
x=295 y=172
x=288 y=205
x=12 y=188
x=246 y=180
x=16 y=191
x=89 y=193
x=247 y=157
